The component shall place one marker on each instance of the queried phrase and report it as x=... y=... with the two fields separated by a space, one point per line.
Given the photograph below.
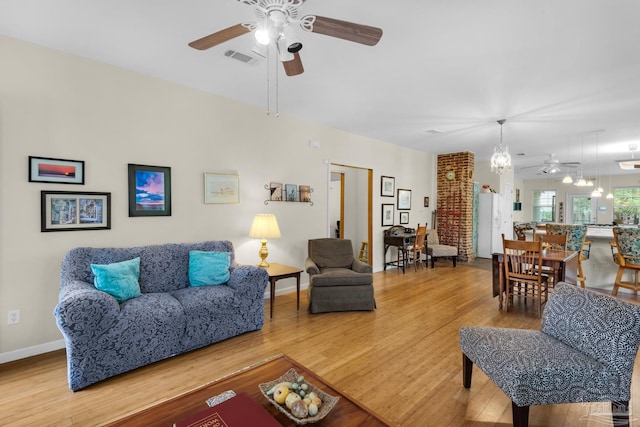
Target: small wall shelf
x=268 y=188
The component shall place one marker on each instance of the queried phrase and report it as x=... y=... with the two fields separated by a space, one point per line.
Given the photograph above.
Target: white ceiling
x=443 y=73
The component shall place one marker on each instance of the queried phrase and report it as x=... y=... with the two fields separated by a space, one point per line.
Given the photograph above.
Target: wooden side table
x=280 y=271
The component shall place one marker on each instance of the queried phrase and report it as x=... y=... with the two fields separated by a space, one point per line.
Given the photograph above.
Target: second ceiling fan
x=275 y=25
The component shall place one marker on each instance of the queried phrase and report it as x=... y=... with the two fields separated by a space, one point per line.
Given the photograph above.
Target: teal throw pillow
x=119 y=279
x=208 y=268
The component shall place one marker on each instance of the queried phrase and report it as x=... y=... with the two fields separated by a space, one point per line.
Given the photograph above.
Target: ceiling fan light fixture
x=293 y=42
x=262 y=36
x=284 y=55
x=501 y=159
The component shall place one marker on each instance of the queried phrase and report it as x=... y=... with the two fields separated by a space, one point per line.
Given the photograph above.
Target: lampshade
x=265 y=226
x=567 y=180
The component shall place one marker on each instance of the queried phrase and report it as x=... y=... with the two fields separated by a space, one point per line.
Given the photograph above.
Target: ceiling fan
x=552 y=165
x=275 y=26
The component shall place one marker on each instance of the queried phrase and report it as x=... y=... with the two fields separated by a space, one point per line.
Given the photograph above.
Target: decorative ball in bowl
x=299 y=400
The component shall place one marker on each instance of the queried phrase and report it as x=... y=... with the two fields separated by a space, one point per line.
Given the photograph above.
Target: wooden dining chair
x=523 y=276
x=576 y=241
x=414 y=253
x=627 y=256
x=552 y=242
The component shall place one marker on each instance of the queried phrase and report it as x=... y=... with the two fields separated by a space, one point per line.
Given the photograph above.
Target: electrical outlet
x=13 y=317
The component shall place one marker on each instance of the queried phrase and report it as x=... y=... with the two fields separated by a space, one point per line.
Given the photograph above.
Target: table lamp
x=265 y=226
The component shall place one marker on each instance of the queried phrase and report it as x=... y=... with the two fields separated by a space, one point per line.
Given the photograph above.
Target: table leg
x=272 y=292
x=298 y=291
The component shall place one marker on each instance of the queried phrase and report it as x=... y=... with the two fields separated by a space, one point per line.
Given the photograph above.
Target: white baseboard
x=35 y=350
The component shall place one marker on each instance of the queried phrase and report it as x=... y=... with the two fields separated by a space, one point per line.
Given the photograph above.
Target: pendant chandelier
x=501 y=158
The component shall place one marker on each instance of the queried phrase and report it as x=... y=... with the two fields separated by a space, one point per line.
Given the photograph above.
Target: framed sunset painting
x=59 y=171
x=149 y=190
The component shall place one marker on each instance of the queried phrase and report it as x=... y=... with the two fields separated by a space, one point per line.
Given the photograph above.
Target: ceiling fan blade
x=293 y=67
x=219 y=37
x=347 y=30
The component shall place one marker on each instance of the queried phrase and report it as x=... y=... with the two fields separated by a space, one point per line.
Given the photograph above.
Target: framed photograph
x=221 y=188
x=59 y=171
x=404 y=217
x=291 y=192
x=426 y=202
x=387 y=186
x=305 y=193
x=387 y=215
x=149 y=190
x=275 y=188
x=74 y=210
x=404 y=199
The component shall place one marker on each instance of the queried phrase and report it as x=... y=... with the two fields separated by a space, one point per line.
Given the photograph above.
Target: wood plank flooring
x=401 y=360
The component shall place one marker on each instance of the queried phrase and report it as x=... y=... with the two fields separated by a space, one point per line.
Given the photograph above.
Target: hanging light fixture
x=567 y=179
x=501 y=159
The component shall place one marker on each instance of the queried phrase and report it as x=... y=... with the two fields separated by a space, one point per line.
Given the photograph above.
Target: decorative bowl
x=328 y=401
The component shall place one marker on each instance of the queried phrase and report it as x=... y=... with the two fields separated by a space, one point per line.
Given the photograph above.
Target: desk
x=563 y=261
x=400 y=241
x=280 y=271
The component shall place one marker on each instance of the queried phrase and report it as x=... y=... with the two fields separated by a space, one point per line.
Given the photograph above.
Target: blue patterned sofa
x=104 y=337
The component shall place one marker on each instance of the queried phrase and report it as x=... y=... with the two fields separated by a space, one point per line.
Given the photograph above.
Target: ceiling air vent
x=242 y=57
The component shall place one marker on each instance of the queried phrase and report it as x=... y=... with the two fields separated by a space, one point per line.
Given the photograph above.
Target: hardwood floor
x=401 y=360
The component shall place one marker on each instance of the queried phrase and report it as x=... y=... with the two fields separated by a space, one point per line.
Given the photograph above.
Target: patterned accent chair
x=627 y=256
x=576 y=241
x=435 y=250
x=584 y=352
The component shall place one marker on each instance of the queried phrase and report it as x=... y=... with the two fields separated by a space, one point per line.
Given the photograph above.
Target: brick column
x=456 y=195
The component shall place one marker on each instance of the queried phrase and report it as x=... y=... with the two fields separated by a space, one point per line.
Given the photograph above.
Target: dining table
x=564 y=263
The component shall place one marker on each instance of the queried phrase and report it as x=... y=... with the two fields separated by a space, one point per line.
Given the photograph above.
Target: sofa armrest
x=360 y=266
x=83 y=310
x=248 y=279
x=311 y=267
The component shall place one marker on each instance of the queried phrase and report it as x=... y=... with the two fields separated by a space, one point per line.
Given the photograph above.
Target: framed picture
x=59 y=171
x=426 y=202
x=404 y=199
x=305 y=193
x=387 y=186
x=221 y=188
x=74 y=210
x=387 y=214
x=275 y=188
x=291 y=192
x=404 y=217
x=149 y=190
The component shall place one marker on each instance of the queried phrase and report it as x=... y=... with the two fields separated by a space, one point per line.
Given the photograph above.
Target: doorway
x=582 y=209
x=350 y=206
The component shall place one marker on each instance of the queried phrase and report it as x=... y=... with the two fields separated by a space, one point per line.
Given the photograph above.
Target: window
x=544 y=205
x=626 y=205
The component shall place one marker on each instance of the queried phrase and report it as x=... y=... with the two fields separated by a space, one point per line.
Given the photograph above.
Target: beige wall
x=57 y=105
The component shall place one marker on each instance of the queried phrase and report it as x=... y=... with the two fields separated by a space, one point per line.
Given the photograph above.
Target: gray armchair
x=337 y=280
x=585 y=352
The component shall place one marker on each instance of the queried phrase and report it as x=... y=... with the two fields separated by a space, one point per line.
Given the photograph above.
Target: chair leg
x=520 y=415
x=455 y=259
x=433 y=261
x=620 y=413
x=467 y=370
x=618 y=281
